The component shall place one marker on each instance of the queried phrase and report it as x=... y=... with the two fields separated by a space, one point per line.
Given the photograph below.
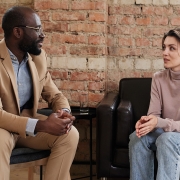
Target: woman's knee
x=133 y=140
x=164 y=139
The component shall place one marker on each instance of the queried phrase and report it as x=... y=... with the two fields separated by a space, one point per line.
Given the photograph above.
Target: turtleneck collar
x=174 y=74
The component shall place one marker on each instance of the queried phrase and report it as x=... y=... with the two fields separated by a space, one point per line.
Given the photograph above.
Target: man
x=23 y=79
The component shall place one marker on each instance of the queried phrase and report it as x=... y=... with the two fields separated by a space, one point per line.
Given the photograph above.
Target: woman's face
x=171 y=53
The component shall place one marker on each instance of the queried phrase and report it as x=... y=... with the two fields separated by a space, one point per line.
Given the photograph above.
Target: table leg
x=91 y=149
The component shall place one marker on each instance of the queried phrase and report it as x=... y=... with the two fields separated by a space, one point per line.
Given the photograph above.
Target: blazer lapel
x=7 y=63
x=35 y=79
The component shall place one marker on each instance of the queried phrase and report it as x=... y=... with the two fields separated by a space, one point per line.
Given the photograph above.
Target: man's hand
x=68 y=115
x=145 y=125
x=56 y=124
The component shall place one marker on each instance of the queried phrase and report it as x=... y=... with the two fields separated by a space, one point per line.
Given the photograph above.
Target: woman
x=161 y=127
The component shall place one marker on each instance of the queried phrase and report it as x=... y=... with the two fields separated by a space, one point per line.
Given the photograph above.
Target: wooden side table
x=87 y=116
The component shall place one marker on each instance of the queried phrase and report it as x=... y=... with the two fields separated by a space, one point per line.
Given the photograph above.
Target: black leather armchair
x=116 y=117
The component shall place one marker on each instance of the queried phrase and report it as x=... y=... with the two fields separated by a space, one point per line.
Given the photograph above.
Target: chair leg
x=30 y=173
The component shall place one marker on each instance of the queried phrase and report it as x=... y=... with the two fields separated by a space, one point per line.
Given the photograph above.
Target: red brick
x=125 y=41
x=96 y=86
x=96 y=76
x=111 y=41
x=2 y=9
x=124 y=30
x=175 y=21
x=154 y=31
x=142 y=42
x=47 y=39
x=72 y=85
x=87 y=50
x=163 y=10
x=63 y=4
x=134 y=73
x=132 y=10
x=97 y=16
x=157 y=42
x=68 y=16
x=153 y=52
x=84 y=5
x=114 y=30
x=57 y=74
x=79 y=76
x=116 y=51
x=95 y=97
x=46 y=4
x=52 y=26
x=147 y=74
x=96 y=40
x=144 y=21
x=127 y=20
x=148 y=10
x=176 y=10
x=135 y=52
x=116 y=10
x=114 y=75
x=74 y=96
x=84 y=27
x=45 y=15
x=160 y=21
x=68 y=38
x=55 y=50
x=113 y=85
x=112 y=19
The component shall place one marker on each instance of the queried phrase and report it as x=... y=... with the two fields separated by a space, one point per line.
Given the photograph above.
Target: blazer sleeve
x=15 y=124
x=55 y=98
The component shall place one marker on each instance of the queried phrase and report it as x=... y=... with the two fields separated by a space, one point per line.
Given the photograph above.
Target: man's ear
x=17 y=32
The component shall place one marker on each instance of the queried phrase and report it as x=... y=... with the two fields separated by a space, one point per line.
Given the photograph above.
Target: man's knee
x=74 y=136
x=70 y=140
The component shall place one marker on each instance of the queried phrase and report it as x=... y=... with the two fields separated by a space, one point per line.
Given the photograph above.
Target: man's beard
x=29 y=46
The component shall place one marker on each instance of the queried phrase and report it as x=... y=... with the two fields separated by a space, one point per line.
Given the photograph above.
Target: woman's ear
x=17 y=32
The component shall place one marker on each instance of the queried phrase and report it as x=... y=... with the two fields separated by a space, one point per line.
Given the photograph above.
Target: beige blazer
x=10 y=117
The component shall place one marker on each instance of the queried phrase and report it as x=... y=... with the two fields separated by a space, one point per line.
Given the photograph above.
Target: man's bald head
x=13 y=17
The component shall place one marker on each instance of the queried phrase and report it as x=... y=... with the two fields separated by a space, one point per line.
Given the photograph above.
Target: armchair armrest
x=105 y=114
x=124 y=126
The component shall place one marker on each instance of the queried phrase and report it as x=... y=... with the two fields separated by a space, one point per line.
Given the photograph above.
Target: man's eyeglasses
x=37 y=29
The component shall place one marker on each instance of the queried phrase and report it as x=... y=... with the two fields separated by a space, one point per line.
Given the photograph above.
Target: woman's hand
x=145 y=125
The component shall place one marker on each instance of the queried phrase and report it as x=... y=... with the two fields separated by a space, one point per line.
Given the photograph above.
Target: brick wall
x=91 y=45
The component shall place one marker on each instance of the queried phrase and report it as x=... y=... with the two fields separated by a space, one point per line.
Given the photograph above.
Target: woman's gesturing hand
x=145 y=125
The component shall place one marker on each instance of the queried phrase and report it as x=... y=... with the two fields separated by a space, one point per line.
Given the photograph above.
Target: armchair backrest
x=137 y=91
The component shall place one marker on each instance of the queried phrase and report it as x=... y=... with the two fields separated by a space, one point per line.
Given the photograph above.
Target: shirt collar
x=14 y=58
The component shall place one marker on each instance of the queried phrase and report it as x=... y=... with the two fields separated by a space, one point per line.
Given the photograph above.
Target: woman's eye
x=172 y=48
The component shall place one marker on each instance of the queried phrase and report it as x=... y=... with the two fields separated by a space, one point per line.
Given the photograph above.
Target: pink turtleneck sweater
x=165 y=99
